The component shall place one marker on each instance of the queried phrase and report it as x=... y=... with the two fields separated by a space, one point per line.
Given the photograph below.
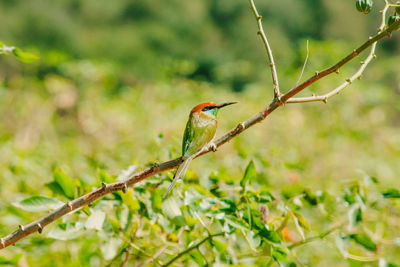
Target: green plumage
x=200 y=130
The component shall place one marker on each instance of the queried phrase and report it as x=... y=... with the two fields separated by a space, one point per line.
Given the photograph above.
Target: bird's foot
x=213 y=146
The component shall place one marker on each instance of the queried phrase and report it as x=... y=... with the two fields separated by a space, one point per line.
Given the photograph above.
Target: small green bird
x=200 y=130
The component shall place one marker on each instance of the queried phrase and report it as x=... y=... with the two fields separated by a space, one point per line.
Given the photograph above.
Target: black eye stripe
x=208 y=108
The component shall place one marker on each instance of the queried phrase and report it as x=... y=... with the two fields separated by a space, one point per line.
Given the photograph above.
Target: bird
x=199 y=132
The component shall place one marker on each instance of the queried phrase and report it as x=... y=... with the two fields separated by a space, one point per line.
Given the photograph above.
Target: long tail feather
x=180 y=174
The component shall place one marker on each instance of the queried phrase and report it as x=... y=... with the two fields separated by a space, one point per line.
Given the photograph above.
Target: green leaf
x=235 y=222
x=65 y=182
x=302 y=221
x=364 y=241
x=197 y=257
x=110 y=248
x=279 y=254
x=253 y=239
x=391 y=193
x=13 y=261
x=220 y=246
x=156 y=199
x=39 y=203
x=171 y=209
x=265 y=196
x=24 y=56
x=95 y=220
x=355 y=215
x=104 y=176
x=249 y=174
x=66 y=231
x=55 y=188
x=342 y=243
x=269 y=235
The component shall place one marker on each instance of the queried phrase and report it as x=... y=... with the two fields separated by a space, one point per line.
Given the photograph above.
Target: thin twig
x=157 y=168
x=275 y=82
x=317 y=237
x=132 y=240
x=304 y=66
x=180 y=254
x=161 y=250
x=371 y=42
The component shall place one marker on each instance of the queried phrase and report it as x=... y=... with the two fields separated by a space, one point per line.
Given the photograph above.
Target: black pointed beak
x=226 y=104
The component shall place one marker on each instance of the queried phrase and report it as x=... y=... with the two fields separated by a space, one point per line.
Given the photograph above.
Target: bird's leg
x=212 y=146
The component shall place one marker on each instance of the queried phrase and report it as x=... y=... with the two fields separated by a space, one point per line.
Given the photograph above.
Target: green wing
x=197 y=135
x=188 y=135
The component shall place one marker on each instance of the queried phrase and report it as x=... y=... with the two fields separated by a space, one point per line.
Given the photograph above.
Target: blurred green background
x=116 y=80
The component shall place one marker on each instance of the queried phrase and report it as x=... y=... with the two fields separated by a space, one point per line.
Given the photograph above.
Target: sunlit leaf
x=110 y=248
x=66 y=231
x=12 y=261
x=391 y=193
x=65 y=182
x=279 y=254
x=95 y=220
x=24 y=56
x=270 y=235
x=249 y=173
x=171 y=209
x=364 y=241
x=197 y=257
x=39 y=203
x=302 y=221
x=156 y=199
x=342 y=243
x=253 y=239
x=104 y=176
x=130 y=201
x=355 y=215
x=220 y=246
x=265 y=196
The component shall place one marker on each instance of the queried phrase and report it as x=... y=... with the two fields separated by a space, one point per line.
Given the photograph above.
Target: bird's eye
x=207 y=108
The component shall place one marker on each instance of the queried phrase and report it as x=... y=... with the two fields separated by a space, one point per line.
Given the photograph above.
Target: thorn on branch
x=369 y=38
x=337 y=71
x=69 y=205
x=103 y=185
x=355 y=53
x=125 y=188
x=359 y=77
x=259 y=17
x=21 y=227
x=325 y=100
x=349 y=81
x=374 y=56
x=362 y=62
x=316 y=73
x=40 y=228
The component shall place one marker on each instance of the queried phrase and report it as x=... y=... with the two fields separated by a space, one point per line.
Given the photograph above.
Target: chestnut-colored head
x=209 y=107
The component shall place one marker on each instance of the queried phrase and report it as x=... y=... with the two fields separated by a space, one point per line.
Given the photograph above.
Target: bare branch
x=260 y=32
x=287 y=98
x=105 y=189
